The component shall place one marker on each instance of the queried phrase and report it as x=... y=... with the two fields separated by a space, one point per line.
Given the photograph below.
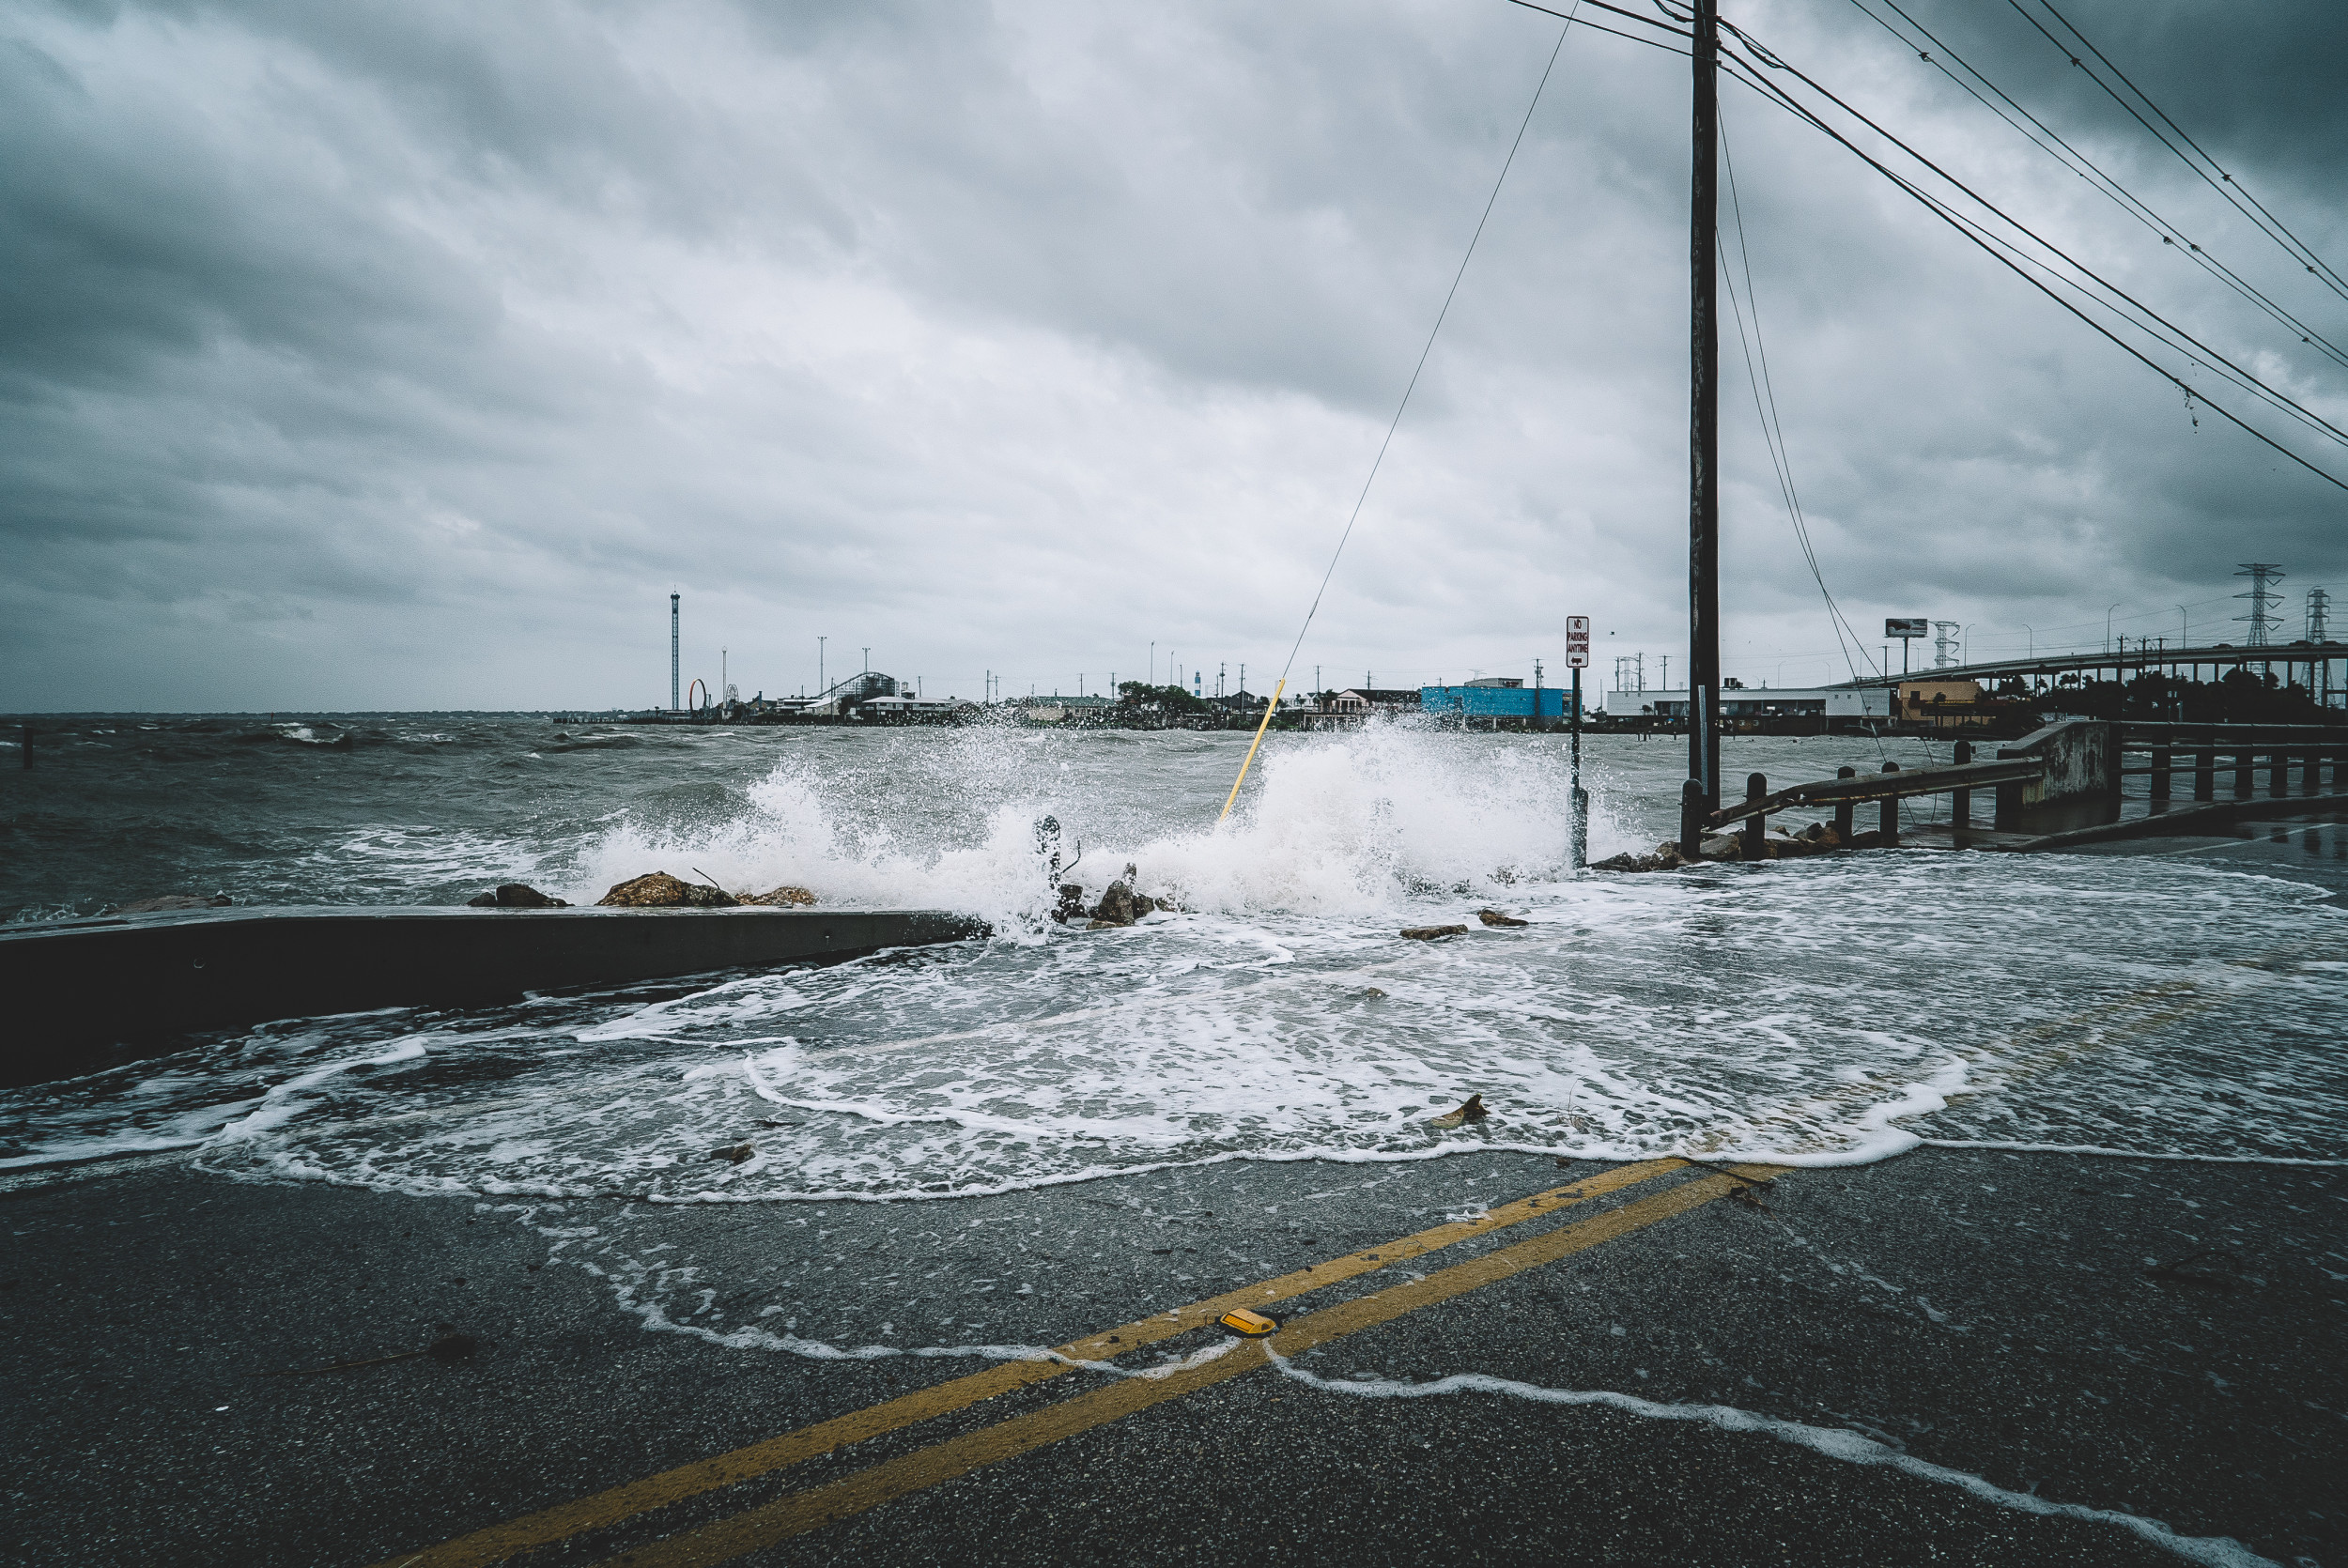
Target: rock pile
x=1817 y=838
x=1428 y=934
x=515 y=894
x=659 y=890
x=785 y=897
x=1119 y=906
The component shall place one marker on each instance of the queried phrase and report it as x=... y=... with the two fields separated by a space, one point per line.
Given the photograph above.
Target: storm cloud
x=368 y=356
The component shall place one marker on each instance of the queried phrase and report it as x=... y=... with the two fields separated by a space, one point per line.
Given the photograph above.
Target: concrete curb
x=78 y=987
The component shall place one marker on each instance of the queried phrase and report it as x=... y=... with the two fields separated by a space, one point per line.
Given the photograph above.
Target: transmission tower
x=1944 y=644
x=2318 y=602
x=2262 y=619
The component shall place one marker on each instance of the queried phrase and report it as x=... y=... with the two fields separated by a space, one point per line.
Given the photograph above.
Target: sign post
x=1906 y=628
x=1578 y=657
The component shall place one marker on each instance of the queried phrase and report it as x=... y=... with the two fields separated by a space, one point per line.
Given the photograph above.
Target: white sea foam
x=2218 y=1551
x=1813 y=1012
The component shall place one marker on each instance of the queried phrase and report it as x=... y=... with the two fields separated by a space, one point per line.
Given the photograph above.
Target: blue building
x=1494 y=698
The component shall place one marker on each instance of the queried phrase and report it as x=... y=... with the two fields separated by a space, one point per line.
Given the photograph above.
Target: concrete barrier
x=77 y=990
x=2081 y=776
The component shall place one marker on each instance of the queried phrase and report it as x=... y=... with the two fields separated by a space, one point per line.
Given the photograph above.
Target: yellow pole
x=1270 y=708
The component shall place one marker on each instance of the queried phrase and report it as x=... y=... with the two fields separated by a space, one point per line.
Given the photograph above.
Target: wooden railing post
x=2278 y=770
x=1891 y=819
x=2313 y=774
x=2205 y=772
x=1843 y=807
x=1961 y=801
x=1693 y=811
x=2242 y=770
x=1756 y=786
x=2160 y=772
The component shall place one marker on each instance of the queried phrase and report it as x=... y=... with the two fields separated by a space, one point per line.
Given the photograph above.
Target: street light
x=2032 y=638
x=2185 y=628
x=2108 y=629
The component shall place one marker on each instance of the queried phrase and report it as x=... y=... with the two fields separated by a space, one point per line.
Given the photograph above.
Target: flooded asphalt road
x=2150 y=1340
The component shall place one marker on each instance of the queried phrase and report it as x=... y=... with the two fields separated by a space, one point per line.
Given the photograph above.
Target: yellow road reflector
x=1249 y=1324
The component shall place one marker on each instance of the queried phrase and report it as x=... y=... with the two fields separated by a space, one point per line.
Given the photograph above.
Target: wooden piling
x=2279 y=771
x=2205 y=774
x=1756 y=786
x=1843 y=808
x=1891 y=819
x=2160 y=773
x=1961 y=801
x=2242 y=772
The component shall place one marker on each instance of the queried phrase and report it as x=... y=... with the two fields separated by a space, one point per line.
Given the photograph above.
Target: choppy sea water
x=1820 y=1011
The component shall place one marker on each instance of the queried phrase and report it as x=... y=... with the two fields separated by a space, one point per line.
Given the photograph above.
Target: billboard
x=1578 y=641
x=1907 y=626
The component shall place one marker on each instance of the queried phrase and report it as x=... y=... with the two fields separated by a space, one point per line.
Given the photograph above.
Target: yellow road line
x=606 y=1508
x=801 y=1511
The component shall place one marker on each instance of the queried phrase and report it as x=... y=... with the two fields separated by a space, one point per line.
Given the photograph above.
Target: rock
x=1428 y=934
x=1108 y=924
x=785 y=897
x=170 y=901
x=516 y=895
x=1470 y=1110
x=1493 y=917
x=451 y=1349
x=1373 y=993
x=1118 y=906
x=1665 y=858
x=1072 y=902
x=733 y=1155
x=482 y=900
x=659 y=890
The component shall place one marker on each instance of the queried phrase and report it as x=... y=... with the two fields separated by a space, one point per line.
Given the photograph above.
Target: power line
x=1745 y=71
x=2039 y=134
x=2153 y=323
x=1395 y=422
x=1593 y=27
x=1764 y=392
x=2224 y=184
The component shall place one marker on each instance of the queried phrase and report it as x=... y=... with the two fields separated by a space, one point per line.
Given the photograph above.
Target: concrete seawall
x=79 y=989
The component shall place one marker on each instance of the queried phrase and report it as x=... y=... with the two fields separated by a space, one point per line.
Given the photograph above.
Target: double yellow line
x=800 y=1512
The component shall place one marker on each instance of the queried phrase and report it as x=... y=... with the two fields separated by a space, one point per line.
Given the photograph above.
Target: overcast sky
x=406 y=356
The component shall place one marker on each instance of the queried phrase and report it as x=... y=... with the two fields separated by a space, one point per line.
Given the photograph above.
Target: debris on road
x=1470 y=1110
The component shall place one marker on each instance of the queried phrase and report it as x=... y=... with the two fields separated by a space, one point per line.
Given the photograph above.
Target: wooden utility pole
x=1704 y=429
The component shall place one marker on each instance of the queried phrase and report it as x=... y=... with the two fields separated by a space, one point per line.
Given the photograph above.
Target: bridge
x=2151 y=655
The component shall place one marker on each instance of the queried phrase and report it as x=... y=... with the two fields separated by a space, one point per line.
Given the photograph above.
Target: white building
x=1758 y=702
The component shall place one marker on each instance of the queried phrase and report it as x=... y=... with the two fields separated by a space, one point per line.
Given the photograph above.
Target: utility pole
x=673 y=618
x=1704 y=432
x=819 y=687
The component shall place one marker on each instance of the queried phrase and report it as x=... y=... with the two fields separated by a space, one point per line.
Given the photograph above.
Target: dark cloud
x=368 y=354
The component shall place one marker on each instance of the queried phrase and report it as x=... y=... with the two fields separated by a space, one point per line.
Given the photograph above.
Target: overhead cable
x=2153 y=323
x=2041 y=134
x=2223 y=183
x=1750 y=76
